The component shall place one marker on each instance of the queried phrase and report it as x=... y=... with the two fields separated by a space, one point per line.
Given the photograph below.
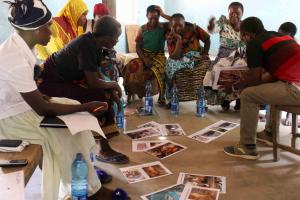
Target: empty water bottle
x=120 y=115
x=174 y=100
x=148 y=98
x=201 y=104
x=79 y=185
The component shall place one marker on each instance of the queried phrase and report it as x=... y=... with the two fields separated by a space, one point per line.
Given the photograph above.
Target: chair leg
x=294 y=130
x=275 y=132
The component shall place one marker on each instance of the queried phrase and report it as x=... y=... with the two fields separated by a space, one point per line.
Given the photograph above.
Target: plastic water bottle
x=79 y=185
x=149 y=98
x=201 y=104
x=174 y=100
x=120 y=116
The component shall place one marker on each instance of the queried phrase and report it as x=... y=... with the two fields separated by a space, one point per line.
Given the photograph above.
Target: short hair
x=238 y=4
x=152 y=8
x=106 y=26
x=177 y=15
x=252 y=25
x=289 y=27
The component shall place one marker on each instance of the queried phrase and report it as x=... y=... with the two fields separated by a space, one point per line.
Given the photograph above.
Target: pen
x=96 y=109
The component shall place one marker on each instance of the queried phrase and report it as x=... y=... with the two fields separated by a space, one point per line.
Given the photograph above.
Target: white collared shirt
x=16 y=75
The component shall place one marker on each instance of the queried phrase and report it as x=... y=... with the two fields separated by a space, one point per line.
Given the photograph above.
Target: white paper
x=191 y=192
x=200 y=180
x=213 y=131
x=145 y=172
x=141 y=146
x=82 y=121
x=166 y=149
x=152 y=124
x=12 y=186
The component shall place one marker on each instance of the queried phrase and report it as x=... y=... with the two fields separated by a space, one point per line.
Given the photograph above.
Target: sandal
x=116 y=159
x=103 y=176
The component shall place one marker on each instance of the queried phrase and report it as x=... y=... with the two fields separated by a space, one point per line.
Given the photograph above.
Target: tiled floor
x=246 y=180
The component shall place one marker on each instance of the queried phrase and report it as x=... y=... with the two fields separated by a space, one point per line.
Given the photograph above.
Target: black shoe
x=237 y=106
x=225 y=105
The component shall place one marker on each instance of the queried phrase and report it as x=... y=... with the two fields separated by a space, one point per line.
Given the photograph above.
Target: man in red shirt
x=273 y=78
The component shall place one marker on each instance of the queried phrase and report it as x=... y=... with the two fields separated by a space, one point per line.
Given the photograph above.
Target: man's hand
x=96 y=107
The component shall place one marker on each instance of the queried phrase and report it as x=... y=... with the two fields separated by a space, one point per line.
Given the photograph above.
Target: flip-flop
x=116 y=159
x=103 y=176
x=120 y=194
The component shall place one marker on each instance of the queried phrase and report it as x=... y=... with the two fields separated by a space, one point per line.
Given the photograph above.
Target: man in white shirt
x=22 y=105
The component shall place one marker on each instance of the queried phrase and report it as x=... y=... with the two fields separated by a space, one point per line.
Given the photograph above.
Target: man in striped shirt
x=273 y=78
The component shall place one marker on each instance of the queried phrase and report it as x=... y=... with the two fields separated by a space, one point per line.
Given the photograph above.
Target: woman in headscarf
x=230 y=44
x=183 y=41
x=22 y=106
x=100 y=10
x=66 y=26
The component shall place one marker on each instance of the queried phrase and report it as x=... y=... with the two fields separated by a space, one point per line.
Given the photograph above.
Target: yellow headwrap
x=72 y=11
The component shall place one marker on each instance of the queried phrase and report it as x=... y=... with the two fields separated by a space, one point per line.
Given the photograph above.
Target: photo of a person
x=165 y=150
x=155 y=171
x=202 y=194
x=211 y=133
x=142 y=133
x=133 y=175
x=204 y=181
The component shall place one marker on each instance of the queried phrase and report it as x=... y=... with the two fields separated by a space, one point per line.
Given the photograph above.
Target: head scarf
x=28 y=14
x=100 y=9
x=72 y=11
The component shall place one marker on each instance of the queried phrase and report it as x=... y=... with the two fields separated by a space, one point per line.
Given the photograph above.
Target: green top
x=154 y=40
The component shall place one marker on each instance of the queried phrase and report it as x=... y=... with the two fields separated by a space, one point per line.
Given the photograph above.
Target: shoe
x=225 y=105
x=237 y=106
x=103 y=176
x=265 y=137
x=241 y=151
x=115 y=159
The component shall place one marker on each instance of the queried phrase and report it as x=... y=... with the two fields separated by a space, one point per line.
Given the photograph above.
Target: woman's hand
x=96 y=107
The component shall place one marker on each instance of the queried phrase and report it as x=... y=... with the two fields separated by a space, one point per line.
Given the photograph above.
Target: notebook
x=52 y=122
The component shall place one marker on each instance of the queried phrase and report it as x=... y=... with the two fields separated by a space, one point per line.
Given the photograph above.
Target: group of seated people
x=82 y=71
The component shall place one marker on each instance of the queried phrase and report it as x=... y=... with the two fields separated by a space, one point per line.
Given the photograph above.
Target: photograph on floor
x=142 y=146
x=173 y=129
x=171 y=193
x=191 y=192
x=166 y=149
x=142 y=133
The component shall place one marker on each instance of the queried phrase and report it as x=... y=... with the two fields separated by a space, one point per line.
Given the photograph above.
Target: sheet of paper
x=12 y=186
x=191 y=192
x=145 y=172
x=81 y=121
x=200 y=180
x=213 y=131
x=173 y=129
x=142 y=133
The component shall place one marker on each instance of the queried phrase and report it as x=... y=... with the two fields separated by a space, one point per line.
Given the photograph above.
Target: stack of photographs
x=213 y=131
x=145 y=172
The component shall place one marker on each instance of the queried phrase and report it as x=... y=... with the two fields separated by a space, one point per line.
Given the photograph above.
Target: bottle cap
x=79 y=156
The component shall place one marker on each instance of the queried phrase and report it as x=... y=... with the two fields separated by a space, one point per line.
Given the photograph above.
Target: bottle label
x=120 y=122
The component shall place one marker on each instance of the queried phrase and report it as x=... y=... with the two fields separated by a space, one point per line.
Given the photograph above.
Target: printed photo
x=191 y=192
x=211 y=133
x=141 y=146
x=155 y=171
x=169 y=193
x=151 y=124
x=217 y=182
x=224 y=125
x=173 y=129
x=142 y=133
x=165 y=150
x=133 y=175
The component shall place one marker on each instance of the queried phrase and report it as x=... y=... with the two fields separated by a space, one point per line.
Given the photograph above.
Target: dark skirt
x=52 y=84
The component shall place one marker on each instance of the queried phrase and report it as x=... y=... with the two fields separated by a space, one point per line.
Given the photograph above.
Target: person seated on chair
x=150 y=43
x=22 y=105
x=66 y=26
x=273 y=79
x=287 y=28
x=229 y=32
x=184 y=48
x=72 y=72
